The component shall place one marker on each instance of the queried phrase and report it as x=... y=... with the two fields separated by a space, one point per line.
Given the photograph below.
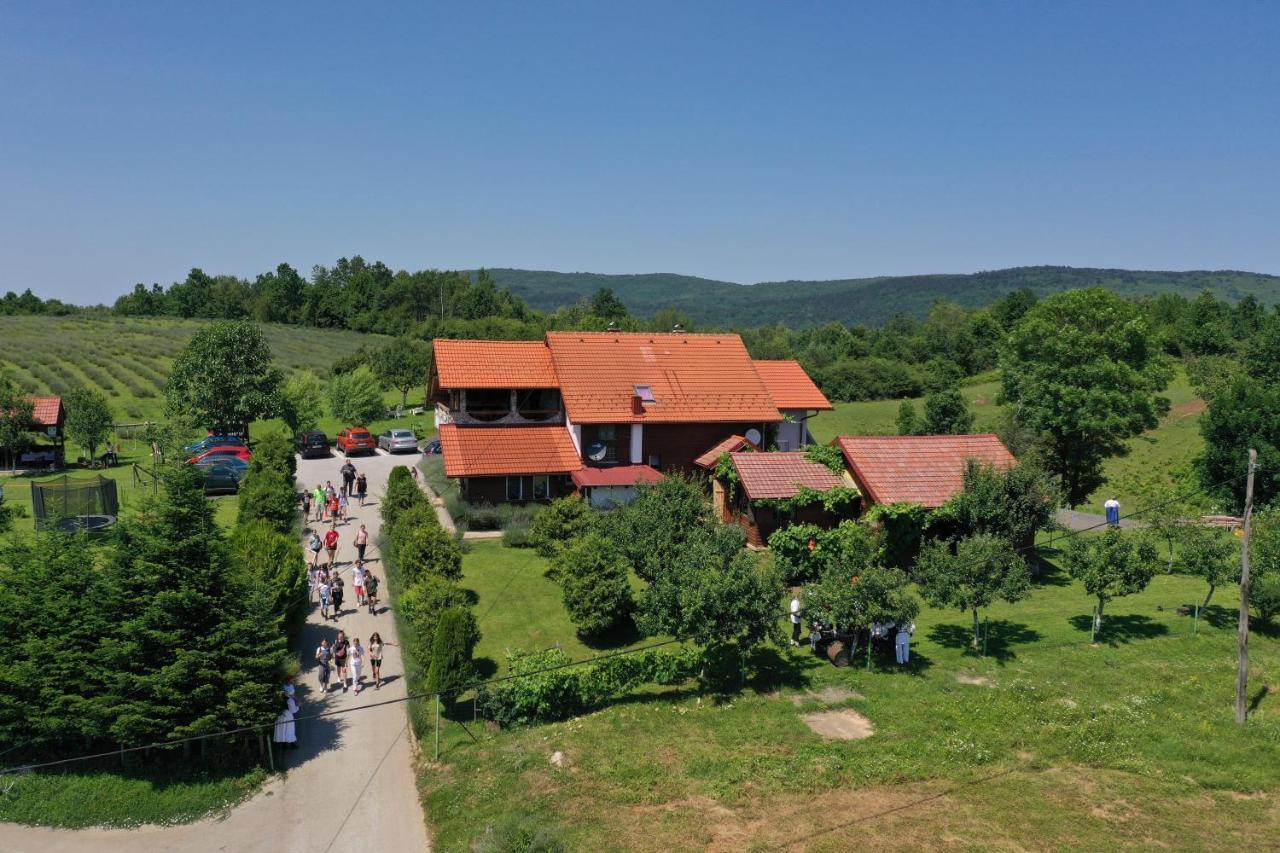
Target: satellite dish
x=753 y=436
x=597 y=451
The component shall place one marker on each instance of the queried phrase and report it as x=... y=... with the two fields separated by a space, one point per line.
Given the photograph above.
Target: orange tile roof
x=732 y=444
x=919 y=469
x=779 y=475
x=695 y=378
x=789 y=386
x=618 y=475
x=493 y=364
x=494 y=451
x=47 y=410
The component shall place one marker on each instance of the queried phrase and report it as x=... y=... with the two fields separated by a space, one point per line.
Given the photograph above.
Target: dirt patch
x=1187 y=409
x=977 y=680
x=1067 y=703
x=844 y=724
x=827 y=696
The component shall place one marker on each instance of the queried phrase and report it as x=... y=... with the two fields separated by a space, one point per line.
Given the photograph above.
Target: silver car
x=398 y=440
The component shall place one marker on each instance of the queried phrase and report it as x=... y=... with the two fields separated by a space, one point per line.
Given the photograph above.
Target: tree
x=275 y=452
x=17 y=418
x=857 y=600
x=1112 y=565
x=223 y=378
x=1243 y=414
x=451 y=668
x=604 y=303
x=1082 y=371
x=401 y=495
x=403 y=364
x=268 y=559
x=593 y=576
x=426 y=549
x=1208 y=554
x=420 y=605
x=908 y=419
x=979 y=571
x=354 y=397
x=270 y=496
x=89 y=418
x=302 y=402
x=850 y=545
x=558 y=523
x=657 y=524
x=1012 y=503
x=946 y=413
x=1264 y=568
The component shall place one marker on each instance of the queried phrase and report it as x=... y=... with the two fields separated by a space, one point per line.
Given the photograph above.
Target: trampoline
x=88 y=505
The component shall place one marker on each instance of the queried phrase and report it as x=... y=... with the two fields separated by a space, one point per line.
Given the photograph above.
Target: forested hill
x=872 y=301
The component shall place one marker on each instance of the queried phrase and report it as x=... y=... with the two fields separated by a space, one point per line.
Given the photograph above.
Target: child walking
x=357 y=664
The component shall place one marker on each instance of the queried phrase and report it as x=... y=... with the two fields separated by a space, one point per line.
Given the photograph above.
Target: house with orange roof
x=757 y=498
x=601 y=412
x=918 y=469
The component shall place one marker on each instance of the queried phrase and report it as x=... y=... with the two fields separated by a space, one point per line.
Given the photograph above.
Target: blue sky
x=742 y=141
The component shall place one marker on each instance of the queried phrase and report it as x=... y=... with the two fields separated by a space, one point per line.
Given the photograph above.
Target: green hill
x=872 y=301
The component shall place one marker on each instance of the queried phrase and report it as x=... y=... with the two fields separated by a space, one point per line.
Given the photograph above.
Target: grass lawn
x=1048 y=742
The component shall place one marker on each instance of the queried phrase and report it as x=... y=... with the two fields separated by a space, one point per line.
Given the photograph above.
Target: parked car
x=432 y=446
x=312 y=443
x=221 y=477
x=234 y=462
x=356 y=440
x=240 y=452
x=397 y=440
x=211 y=440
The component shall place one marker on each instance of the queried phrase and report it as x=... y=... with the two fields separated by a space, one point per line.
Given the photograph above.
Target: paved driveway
x=350 y=785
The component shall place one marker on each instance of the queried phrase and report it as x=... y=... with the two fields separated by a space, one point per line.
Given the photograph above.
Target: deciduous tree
x=403 y=365
x=302 y=402
x=593 y=576
x=224 y=378
x=354 y=398
x=851 y=600
x=972 y=574
x=946 y=413
x=1112 y=565
x=1208 y=554
x=17 y=418
x=89 y=418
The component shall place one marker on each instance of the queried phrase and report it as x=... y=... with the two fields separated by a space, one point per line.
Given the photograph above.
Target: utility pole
x=1242 y=641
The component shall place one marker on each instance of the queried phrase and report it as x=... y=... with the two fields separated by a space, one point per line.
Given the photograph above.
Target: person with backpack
x=341 y=649
x=315 y=545
x=326 y=590
x=371 y=592
x=362 y=542
x=331 y=543
x=324 y=657
x=362 y=487
x=335 y=594
x=348 y=477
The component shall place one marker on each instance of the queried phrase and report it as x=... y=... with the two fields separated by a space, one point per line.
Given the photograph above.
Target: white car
x=398 y=440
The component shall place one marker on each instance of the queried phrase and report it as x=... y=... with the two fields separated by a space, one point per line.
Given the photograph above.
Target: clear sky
x=741 y=141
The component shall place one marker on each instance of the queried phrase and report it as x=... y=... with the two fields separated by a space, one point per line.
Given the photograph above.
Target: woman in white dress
x=357 y=663
x=286 y=732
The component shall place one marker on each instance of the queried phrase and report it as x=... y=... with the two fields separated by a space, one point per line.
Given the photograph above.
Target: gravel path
x=1075 y=520
x=350 y=786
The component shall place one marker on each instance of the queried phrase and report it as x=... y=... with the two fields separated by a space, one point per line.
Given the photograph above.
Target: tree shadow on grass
x=486 y=668
x=622 y=634
x=1117 y=630
x=1045 y=573
x=1229 y=617
x=1002 y=636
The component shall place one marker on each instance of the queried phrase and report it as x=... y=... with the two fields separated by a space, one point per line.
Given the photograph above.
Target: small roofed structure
x=605 y=488
x=796 y=396
x=48 y=419
x=732 y=444
x=919 y=469
x=767 y=478
x=516 y=463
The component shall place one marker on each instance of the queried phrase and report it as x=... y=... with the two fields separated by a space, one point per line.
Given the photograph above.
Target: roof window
x=645 y=393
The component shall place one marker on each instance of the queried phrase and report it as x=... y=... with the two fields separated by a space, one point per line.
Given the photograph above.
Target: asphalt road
x=350 y=785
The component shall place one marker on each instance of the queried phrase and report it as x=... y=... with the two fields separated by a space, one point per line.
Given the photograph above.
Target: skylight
x=645 y=393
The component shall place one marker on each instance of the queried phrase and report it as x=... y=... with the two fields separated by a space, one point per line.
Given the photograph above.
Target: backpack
x=315 y=542
x=324 y=654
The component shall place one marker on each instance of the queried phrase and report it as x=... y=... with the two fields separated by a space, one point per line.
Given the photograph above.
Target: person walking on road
x=341 y=650
x=324 y=657
x=342 y=508
x=306 y=505
x=331 y=543
x=371 y=592
x=336 y=594
x=362 y=542
x=357 y=581
x=286 y=732
x=375 y=658
x=315 y=545
x=318 y=498
x=335 y=509
x=326 y=590
x=348 y=477
x=357 y=664
x=362 y=487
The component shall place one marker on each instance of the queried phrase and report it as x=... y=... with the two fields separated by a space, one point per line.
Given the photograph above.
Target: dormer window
x=645 y=393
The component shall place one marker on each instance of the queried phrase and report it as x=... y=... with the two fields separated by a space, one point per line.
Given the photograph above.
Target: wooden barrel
x=838 y=653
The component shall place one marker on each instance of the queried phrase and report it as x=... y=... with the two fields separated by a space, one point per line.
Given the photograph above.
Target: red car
x=237 y=451
x=356 y=439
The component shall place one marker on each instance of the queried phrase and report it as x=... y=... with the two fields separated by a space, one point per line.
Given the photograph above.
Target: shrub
x=1264 y=595
x=593 y=576
x=571 y=690
x=274 y=451
x=355 y=397
x=401 y=494
x=420 y=606
x=269 y=495
x=418 y=515
x=558 y=523
x=271 y=561
x=850 y=545
x=517 y=534
x=456 y=636
x=426 y=550
x=520 y=834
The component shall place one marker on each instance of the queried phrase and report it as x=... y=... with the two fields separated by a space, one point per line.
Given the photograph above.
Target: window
x=514 y=490
x=645 y=393
x=541 y=487
x=655 y=460
x=607 y=434
x=784 y=445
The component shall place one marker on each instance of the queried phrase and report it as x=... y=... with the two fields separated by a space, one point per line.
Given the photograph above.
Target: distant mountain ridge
x=872 y=301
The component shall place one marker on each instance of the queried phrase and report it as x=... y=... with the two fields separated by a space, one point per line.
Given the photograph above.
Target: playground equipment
x=75 y=504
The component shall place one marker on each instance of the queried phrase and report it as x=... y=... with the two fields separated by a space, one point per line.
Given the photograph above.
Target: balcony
x=501 y=406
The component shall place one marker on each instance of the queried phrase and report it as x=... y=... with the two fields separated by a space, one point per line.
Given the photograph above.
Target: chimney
x=637 y=405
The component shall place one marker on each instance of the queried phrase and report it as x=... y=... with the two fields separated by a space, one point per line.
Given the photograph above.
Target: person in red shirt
x=331 y=543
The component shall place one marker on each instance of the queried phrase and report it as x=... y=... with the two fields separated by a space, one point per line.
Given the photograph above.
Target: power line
x=498 y=680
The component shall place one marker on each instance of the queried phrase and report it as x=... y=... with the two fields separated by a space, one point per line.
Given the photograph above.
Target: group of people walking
x=348 y=657
x=326 y=503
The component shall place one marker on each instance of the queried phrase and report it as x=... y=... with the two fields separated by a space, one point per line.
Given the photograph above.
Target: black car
x=222 y=478
x=432 y=446
x=313 y=444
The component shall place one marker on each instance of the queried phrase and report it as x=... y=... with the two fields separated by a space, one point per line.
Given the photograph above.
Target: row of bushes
x=438 y=629
x=561 y=693
x=512 y=519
